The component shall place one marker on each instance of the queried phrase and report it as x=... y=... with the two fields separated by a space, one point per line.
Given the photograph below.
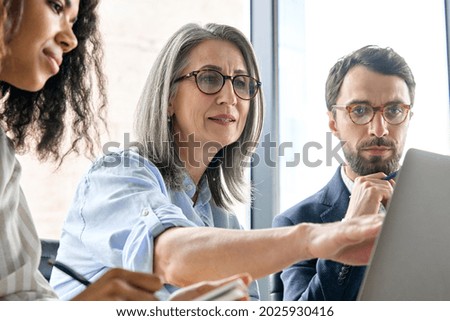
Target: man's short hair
x=382 y=60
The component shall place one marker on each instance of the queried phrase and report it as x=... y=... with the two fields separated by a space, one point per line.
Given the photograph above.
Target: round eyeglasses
x=362 y=114
x=210 y=82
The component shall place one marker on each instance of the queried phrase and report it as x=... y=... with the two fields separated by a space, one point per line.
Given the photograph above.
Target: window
x=312 y=36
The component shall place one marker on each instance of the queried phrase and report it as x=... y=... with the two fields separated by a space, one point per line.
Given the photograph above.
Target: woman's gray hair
x=154 y=134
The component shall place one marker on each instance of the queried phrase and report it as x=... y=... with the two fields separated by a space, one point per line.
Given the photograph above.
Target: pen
x=161 y=294
x=69 y=271
x=390 y=176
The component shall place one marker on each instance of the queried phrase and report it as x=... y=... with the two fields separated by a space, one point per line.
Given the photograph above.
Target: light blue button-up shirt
x=120 y=206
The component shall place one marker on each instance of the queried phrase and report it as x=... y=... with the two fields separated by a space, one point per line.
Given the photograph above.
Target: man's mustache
x=378 y=141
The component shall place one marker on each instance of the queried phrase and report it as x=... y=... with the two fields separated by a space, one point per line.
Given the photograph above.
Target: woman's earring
x=169 y=119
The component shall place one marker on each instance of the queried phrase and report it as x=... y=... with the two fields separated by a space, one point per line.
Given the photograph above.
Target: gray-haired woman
x=163 y=205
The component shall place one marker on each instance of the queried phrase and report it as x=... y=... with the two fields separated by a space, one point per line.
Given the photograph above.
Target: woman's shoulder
x=125 y=161
x=8 y=159
x=5 y=142
x=124 y=166
x=120 y=158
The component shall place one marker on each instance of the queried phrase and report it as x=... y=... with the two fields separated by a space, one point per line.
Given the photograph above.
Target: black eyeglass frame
x=224 y=78
x=375 y=109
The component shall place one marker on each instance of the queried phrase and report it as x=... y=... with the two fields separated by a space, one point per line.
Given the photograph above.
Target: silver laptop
x=411 y=260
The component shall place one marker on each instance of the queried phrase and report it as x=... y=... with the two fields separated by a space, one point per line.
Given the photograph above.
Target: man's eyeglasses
x=210 y=82
x=362 y=114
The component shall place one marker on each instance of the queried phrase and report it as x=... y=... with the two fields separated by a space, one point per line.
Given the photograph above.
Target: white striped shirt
x=20 y=249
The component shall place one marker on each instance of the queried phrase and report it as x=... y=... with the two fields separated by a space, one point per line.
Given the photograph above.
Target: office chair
x=49 y=249
x=276 y=287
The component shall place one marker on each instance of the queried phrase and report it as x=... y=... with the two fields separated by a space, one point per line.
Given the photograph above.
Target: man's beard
x=374 y=164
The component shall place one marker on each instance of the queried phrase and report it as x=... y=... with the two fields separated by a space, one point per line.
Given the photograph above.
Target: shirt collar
x=189 y=187
x=347 y=181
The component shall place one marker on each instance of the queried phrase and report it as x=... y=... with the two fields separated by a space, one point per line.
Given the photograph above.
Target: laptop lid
x=411 y=260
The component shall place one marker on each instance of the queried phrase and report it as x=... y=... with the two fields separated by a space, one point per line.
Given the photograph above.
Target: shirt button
x=145 y=212
x=189 y=187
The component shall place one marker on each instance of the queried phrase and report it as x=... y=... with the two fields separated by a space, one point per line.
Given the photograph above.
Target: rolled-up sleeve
x=123 y=205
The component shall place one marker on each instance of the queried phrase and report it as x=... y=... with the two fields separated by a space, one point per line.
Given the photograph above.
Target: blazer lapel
x=336 y=198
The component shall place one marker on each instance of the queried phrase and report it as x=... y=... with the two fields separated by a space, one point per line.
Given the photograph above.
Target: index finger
x=378 y=175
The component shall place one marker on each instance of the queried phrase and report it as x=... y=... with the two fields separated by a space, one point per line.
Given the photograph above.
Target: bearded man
x=369 y=96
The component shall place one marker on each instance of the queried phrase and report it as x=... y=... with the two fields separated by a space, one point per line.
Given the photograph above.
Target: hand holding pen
x=115 y=285
x=390 y=176
x=119 y=284
x=369 y=193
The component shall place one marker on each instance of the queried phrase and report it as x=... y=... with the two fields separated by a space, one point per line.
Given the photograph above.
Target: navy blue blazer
x=320 y=279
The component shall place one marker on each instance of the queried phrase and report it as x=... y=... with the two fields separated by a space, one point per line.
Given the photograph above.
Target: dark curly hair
x=39 y=119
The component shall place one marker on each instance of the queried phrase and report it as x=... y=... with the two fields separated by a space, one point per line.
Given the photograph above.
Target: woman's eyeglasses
x=210 y=82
